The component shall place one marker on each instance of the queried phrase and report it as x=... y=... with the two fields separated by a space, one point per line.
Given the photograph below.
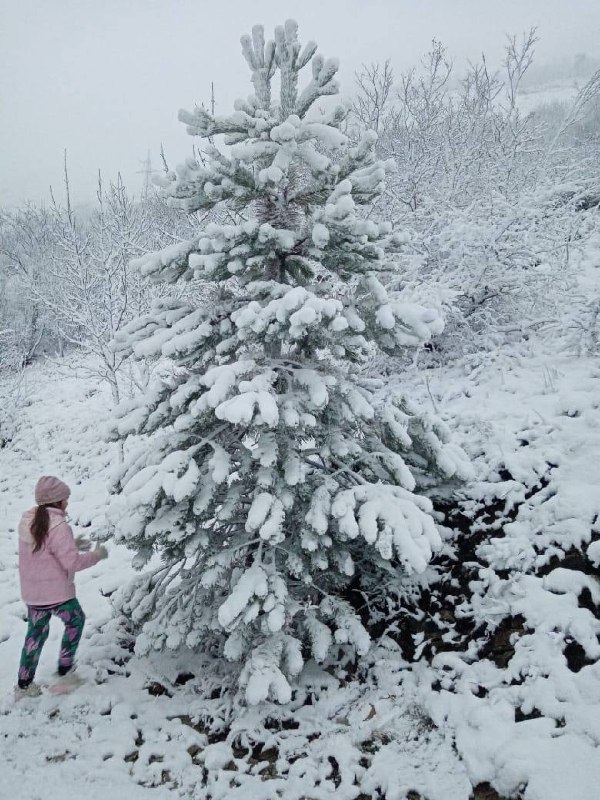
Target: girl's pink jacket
x=47 y=576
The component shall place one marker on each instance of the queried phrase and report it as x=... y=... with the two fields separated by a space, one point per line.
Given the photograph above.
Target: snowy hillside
x=331 y=397
x=526 y=716
x=546 y=94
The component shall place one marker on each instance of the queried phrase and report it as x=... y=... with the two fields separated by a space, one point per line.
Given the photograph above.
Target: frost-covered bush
x=264 y=465
x=13 y=393
x=67 y=277
x=488 y=196
x=25 y=325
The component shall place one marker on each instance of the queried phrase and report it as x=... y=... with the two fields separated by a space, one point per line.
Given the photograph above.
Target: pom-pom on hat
x=50 y=490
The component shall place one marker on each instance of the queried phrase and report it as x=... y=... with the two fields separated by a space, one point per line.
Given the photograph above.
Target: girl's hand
x=101 y=551
x=83 y=544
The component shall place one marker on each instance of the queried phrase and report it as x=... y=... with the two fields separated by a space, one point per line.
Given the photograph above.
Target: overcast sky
x=105 y=78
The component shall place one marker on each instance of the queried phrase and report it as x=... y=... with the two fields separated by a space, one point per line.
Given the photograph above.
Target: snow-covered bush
x=265 y=466
x=26 y=328
x=13 y=393
x=68 y=275
x=489 y=197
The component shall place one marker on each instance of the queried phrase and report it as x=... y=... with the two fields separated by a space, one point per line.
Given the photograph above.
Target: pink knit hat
x=50 y=490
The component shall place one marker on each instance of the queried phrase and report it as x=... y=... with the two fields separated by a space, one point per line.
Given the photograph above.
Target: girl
x=48 y=559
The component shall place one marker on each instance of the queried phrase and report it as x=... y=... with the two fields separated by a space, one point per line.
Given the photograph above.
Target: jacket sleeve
x=63 y=548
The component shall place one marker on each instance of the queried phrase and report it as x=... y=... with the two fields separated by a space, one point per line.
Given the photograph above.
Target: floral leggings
x=71 y=614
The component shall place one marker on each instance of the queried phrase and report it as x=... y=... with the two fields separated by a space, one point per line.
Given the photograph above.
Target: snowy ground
x=534 y=722
x=529 y=727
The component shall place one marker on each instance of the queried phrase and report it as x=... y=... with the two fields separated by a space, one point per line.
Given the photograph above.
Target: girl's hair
x=40 y=524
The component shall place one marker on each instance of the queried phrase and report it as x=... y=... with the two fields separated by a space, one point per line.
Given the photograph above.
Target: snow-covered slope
x=48 y=746
x=529 y=714
x=527 y=725
x=537 y=96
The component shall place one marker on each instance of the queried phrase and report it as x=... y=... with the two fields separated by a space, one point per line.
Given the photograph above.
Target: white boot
x=33 y=690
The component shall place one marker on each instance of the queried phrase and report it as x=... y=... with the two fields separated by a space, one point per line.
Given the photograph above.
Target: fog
x=105 y=80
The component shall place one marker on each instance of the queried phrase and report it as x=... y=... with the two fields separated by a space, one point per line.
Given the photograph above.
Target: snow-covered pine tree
x=268 y=468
